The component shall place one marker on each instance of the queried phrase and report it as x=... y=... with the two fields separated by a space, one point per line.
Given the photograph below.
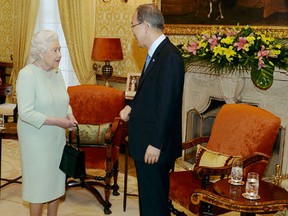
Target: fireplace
x=204 y=94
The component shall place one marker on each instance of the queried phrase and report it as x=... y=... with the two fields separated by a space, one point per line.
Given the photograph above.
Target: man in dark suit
x=154 y=115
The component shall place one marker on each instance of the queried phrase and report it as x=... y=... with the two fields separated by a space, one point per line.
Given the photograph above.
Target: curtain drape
x=25 y=15
x=78 y=22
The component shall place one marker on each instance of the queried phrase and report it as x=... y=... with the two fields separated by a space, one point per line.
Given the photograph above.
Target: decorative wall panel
x=113 y=19
x=6 y=15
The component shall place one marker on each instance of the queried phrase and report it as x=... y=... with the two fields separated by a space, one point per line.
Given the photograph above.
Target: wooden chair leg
x=108 y=176
x=115 y=186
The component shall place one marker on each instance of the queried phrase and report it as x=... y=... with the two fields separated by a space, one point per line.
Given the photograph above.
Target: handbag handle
x=77 y=137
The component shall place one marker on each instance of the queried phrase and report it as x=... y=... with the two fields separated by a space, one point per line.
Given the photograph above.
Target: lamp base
x=107 y=71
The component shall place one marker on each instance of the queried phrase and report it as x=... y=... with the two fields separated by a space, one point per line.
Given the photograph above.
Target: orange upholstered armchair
x=96 y=108
x=239 y=130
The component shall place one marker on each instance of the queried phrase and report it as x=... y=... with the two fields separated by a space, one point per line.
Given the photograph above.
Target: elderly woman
x=44 y=114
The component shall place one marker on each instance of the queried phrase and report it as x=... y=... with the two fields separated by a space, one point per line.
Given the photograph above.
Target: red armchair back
x=241 y=129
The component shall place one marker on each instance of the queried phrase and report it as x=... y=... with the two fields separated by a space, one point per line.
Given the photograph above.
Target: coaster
x=246 y=196
x=235 y=183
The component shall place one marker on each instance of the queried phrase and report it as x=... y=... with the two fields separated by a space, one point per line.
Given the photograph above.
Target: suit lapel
x=152 y=62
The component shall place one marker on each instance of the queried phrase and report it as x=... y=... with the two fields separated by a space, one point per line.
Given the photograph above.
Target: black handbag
x=73 y=159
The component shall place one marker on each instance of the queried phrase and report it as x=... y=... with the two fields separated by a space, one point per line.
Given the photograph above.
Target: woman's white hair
x=40 y=42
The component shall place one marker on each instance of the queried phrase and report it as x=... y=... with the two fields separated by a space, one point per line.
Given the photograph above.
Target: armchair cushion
x=93 y=134
x=181 y=193
x=208 y=158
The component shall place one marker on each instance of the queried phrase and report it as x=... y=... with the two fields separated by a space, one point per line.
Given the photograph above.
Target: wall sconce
x=106 y=49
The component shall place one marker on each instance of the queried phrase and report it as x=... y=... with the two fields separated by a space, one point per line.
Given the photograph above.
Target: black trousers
x=153 y=187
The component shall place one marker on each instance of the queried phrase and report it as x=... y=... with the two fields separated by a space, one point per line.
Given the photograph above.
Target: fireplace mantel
x=201 y=87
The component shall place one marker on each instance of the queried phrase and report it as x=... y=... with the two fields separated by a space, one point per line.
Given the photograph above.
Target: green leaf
x=263 y=78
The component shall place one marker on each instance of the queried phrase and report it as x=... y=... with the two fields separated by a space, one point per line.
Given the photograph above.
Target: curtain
x=78 y=22
x=25 y=15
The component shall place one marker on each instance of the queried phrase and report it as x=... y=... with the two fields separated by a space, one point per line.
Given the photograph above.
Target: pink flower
x=261 y=63
x=263 y=52
x=241 y=44
x=192 y=48
x=213 y=41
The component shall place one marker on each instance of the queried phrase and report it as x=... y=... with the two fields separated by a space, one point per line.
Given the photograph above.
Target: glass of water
x=237 y=173
x=252 y=185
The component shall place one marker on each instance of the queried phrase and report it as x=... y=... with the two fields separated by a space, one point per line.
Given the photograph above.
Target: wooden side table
x=10 y=132
x=272 y=198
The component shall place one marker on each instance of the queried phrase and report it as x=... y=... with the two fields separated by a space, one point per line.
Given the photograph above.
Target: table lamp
x=107 y=49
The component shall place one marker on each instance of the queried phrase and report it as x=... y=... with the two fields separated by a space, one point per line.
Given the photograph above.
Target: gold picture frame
x=132 y=85
x=191 y=29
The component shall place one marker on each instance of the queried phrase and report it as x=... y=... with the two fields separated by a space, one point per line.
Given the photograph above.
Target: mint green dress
x=41 y=94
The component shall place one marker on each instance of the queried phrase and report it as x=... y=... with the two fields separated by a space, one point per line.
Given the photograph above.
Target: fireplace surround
x=205 y=93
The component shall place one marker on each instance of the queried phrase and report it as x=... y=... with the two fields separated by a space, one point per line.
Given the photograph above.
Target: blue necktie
x=148 y=58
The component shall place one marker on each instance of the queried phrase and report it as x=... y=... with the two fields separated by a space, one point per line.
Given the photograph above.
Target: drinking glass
x=252 y=185
x=237 y=173
x=2 y=121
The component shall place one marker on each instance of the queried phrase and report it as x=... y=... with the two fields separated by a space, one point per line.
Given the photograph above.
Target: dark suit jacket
x=156 y=112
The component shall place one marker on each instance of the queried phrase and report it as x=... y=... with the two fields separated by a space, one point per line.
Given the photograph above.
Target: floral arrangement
x=230 y=50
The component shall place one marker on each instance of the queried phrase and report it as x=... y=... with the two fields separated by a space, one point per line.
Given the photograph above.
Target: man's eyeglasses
x=132 y=26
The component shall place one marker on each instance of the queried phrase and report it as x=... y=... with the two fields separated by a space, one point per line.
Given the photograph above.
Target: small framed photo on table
x=132 y=85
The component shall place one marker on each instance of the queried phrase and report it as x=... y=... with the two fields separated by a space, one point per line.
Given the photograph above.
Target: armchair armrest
x=202 y=171
x=256 y=157
x=112 y=130
x=194 y=142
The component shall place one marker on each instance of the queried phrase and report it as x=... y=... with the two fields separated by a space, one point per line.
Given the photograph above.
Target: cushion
x=92 y=134
x=208 y=158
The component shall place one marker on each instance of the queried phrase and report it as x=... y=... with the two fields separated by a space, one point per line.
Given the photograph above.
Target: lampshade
x=107 y=49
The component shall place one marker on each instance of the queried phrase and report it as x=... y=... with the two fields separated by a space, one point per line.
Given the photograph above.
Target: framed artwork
x=132 y=85
x=187 y=17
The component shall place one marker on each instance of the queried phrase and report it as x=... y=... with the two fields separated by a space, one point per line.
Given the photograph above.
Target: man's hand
x=152 y=155
x=124 y=113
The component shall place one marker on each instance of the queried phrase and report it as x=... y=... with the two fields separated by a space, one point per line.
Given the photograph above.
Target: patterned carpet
x=77 y=202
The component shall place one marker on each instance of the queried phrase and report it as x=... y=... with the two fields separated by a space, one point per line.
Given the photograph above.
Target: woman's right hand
x=68 y=123
x=60 y=122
